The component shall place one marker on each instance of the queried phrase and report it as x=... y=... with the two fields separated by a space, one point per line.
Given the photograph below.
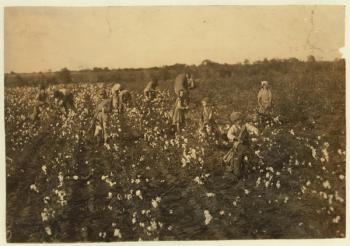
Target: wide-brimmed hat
x=234 y=116
x=116 y=87
x=264 y=82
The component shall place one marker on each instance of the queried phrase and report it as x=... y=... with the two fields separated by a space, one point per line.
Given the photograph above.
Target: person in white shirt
x=264 y=101
x=239 y=135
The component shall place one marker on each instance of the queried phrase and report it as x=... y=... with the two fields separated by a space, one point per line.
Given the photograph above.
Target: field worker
x=207 y=122
x=179 y=111
x=116 y=88
x=251 y=125
x=151 y=90
x=264 y=100
x=125 y=100
x=234 y=130
x=103 y=94
x=64 y=99
x=41 y=100
x=101 y=118
x=181 y=84
x=239 y=134
x=191 y=83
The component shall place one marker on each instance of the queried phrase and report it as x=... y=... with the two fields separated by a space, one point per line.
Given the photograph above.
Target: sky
x=51 y=38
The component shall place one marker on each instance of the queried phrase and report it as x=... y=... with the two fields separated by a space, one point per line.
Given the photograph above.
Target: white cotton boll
x=138 y=194
x=258 y=181
x=341 y=177
x=154 y=203
x=246 y=191
x=210 y=194
x=44 y=169
x=198 y=180
x=325 y=154
x=34 y=188
x=109 y=195
x=75 y=177
x=278 y=184
x=326 y=184
x=184 y=162
x=336 y=220
x=117 y=233
x=338 y=198
x=48 y=230
x=207 y=217
x=44 y=215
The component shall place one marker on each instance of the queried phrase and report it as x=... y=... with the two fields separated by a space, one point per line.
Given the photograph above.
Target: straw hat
x=264 y=82
x=116 y=87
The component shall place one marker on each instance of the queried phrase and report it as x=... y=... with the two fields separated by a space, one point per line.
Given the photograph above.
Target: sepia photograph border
x=91 y=3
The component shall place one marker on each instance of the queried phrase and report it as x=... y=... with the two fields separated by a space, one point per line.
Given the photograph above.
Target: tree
x=64 y=75
x=246 y=62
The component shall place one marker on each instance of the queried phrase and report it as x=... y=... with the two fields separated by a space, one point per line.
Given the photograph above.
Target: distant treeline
x=207 y=69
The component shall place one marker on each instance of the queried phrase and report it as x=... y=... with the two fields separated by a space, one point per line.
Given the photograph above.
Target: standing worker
x=41 y=101
x=179 y=111
x=264 y=102
x=181 y=84
x=125 y=100
x=239 y=134
x=151 y=90
x=64 y=99
x=102 y=113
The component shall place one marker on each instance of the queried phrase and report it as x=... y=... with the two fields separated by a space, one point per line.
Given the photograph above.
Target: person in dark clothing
x=41 y=102
x=239 y=134
x=151 y=90
x=64 y=100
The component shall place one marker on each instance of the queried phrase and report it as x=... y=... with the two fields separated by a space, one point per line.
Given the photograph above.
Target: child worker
x=264 y=102
x=207 y=121
x=150 y=90
x=239 y=134
x=180 y=109
x=41 y=102
x=64 y=100
x=103 y=112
